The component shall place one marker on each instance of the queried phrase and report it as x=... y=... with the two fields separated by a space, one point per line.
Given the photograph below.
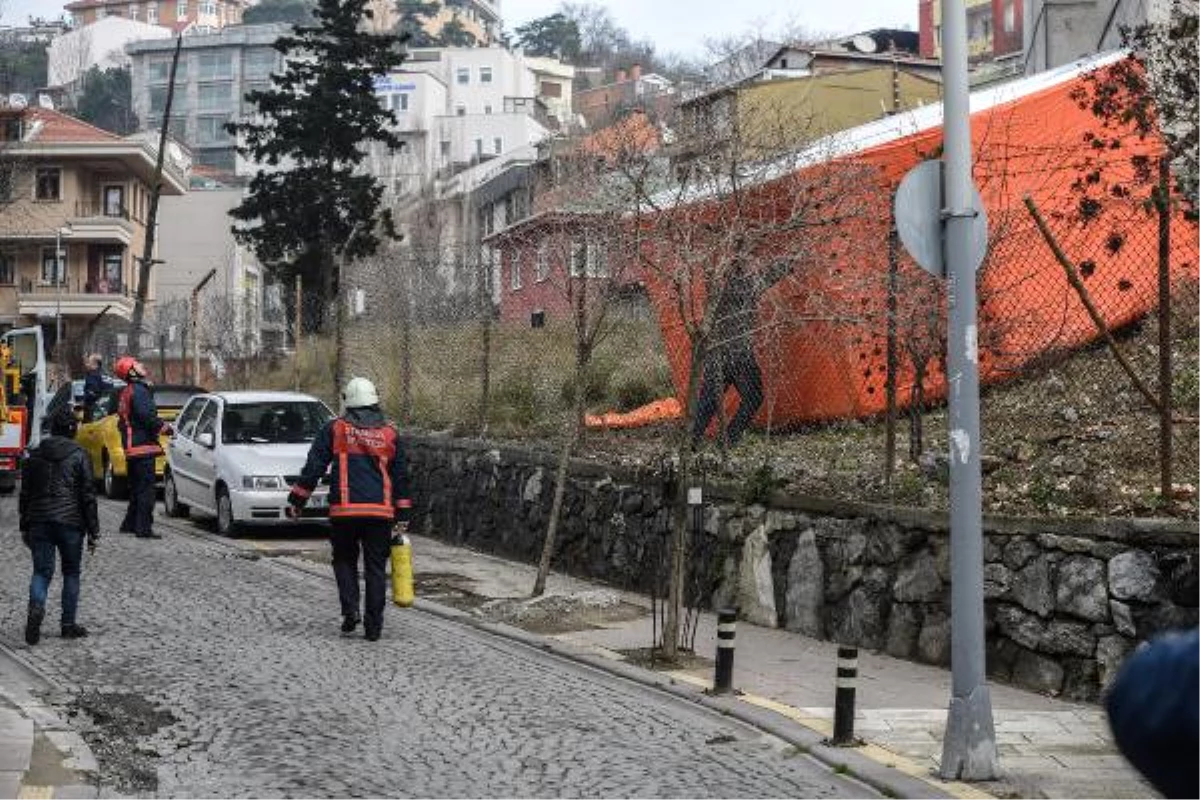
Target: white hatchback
x=235 y=456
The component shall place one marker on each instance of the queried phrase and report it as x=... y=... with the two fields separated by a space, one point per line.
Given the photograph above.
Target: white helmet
x=360 y=393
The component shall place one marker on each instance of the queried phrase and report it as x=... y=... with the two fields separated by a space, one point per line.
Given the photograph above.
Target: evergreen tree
x=106 y=100
x=309 y=138
x=296 y=12
x=555 y=35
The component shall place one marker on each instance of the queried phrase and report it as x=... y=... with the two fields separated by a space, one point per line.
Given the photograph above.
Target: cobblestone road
x=216 y=675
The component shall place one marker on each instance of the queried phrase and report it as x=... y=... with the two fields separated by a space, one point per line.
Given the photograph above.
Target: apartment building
x=216 y=71
x=459 y=106
x=75 y=202
x=201 y=16
x=630 y=90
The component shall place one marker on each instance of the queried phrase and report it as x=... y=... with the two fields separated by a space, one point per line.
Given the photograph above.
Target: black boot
x=33 y=623
x=73 y=631
x=349 y=623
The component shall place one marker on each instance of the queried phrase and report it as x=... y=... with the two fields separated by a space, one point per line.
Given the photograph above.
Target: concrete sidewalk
x=1047 y=747
x=40 y=755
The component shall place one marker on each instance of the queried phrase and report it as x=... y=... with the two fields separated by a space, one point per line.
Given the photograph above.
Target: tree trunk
x=339 y=366
x=146 y=262
x=560 y=490
x=916 y=407
x=485 y=311
x=889 y=456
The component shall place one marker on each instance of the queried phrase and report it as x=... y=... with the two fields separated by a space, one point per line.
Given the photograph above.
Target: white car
x=235 y=455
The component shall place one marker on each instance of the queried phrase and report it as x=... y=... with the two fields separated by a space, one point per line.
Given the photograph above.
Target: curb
x=76 y=755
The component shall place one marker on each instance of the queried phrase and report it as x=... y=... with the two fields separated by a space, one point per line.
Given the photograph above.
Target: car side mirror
x=206 y=439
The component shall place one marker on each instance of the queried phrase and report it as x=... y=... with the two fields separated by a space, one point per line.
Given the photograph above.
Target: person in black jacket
x=57 y=509
x=93 y=383
x=368 y=495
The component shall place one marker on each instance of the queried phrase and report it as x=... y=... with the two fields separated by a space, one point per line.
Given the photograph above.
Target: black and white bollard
x=726 y=629
x=843 y=705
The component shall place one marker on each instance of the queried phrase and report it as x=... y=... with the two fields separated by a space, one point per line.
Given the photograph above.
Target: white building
x=99 y=45
x=459 y=106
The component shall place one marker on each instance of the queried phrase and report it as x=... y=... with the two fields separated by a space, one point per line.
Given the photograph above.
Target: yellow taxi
x=100 y=436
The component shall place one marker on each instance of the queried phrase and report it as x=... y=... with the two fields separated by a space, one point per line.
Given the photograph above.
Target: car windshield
x=288 y=421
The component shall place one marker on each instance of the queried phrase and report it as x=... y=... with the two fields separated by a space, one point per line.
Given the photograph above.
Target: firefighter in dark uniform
x=368 y=496
x=140 y=427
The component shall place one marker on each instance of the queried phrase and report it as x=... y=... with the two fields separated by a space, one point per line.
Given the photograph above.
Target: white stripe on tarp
x=846 y=683
x=724 y=644
x=848 y=663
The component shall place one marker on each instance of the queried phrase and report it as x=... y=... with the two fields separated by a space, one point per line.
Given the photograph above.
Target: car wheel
x=226 y=524
x=114 y=485
x=171 y=503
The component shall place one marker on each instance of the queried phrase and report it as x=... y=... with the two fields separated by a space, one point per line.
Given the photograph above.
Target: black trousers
x=740 y=370
x=373 y=538
x=139 y=514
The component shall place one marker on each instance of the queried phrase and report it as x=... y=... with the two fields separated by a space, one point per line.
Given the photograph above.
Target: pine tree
x=309 y=137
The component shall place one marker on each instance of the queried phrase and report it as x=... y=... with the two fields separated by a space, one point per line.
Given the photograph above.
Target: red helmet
x=125 y=365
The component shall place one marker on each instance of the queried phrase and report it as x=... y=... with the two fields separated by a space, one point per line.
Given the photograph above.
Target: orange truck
x=22 y=399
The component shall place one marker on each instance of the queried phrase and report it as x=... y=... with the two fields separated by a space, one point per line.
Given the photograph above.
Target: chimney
x=620 y=76
x=635 y=72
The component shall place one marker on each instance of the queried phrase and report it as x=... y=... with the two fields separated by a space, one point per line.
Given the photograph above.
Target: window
x=54 y=267
x=400 y=102
x=159 y=69
x=588 y=260
x=258 y=63
x=445 y=149
x=8 y=269
x=487 y=109
x=214 y=66
x=516 y=269
x=479 y=147
x=8 y=179
x=541 y=269
x=498 y=145
x=463 y=76
x=114 y=201
x=208 y=8
x=460 y=111
x=1010 y=16
x=133 y=10
x=211 y=130
x=207 y=423
x=214 y=97
x=248 y=106
x=181 y=9
x=48 y=186
x=152 y=13
x=550 y=89
x=485 y=74
x=186 y=425
x=110 y=275
x=783 y=63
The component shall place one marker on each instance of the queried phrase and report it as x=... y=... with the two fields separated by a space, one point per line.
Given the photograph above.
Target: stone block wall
x=1066 y=600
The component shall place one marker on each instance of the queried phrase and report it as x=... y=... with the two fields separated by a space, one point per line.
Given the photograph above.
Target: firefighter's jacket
x=367 y=478
x=138 y=421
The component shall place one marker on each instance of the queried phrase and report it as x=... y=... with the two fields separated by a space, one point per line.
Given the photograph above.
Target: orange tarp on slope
x=1035 y=145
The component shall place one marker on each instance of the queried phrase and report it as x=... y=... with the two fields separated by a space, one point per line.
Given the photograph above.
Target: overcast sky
x=679 y=26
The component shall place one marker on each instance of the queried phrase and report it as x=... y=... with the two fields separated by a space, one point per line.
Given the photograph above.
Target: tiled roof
x=58 y=128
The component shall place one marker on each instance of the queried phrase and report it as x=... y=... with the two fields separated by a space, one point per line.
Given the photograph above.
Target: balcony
x=98 y=222
x=73 y=299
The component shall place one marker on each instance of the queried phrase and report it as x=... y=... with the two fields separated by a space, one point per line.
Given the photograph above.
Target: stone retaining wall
x=1066 y=599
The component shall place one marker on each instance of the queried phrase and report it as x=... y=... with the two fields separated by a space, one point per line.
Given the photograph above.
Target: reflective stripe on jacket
x=138 y=422
x=368 y=477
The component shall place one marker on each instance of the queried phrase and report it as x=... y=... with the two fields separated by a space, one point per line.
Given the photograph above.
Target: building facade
x=994 y=28
x=631 y=89
x=101 y=44
x=215 y=72
x=457 y=107
x=203 y=16
x=76 y=199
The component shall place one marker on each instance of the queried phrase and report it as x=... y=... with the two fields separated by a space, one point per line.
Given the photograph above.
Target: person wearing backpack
x=57 y=509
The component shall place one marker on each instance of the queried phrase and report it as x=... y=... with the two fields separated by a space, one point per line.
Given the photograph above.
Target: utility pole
x=196 y=325
x=147 y=260
x=969 y=747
